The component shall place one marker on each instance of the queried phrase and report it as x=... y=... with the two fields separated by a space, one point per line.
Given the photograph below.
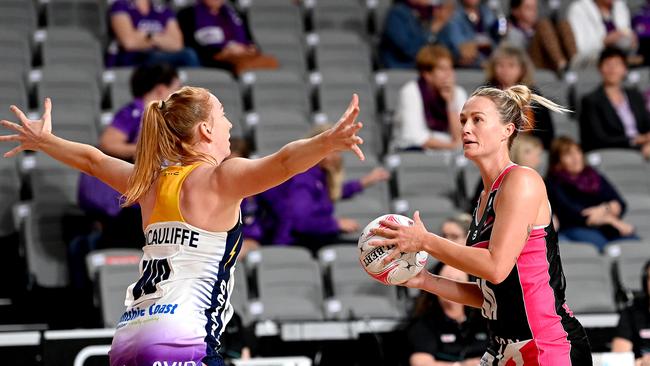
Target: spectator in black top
x=633 y=330
x=444 y=332
x=509 y=66
x=614 y=116
x=588 y=207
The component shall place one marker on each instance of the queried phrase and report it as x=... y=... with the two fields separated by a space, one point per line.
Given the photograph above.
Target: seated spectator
x=116 y=226
x=428 y=114
x=509 y=66
x=597 y=24
x=634 y=322
x=641 y=26
x=588 y=207
x=217 y=33
x=468 y=33
x=614 y=116
x=409 y=26
x=544 y=43
x=445 y=332
x=301 y=210
x=147 y=33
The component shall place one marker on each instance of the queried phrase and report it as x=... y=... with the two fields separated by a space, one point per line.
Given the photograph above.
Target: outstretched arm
x=37 y=135
x=239 y=177
x=516 y=206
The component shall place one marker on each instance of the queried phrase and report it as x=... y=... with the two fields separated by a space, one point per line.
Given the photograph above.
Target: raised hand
x=342 y=136
x=30 y=133
x=404 y=238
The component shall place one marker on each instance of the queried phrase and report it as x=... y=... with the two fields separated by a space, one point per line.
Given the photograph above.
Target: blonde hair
x=512 y=104
x=167 y=137
x=508 y=51
x=521 y=143
x=334 y=176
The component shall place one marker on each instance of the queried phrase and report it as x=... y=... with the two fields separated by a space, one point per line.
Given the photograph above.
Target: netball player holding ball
x=190 y=198
x=511 y=247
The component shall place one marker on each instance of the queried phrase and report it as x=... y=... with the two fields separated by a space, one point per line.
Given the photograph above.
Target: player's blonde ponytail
x=167 y=138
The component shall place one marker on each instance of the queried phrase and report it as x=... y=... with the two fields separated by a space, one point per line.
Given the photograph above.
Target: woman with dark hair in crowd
x=614 y=115
x=446 y=333
x=588 y=206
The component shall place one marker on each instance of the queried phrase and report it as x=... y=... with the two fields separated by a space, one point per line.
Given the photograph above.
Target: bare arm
x=522 y=190
x=171 y=39
x=37 y=136
x=466 y=293
x=239 y=178
x=115 y=143
x=128 y=37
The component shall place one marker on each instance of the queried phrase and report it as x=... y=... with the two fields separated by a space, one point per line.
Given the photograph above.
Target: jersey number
x=489 y=309
x=154 y=272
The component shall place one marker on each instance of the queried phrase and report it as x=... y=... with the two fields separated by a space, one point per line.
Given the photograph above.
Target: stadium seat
x=69 y=87
x=19 y=16
x=362 y=208
x=587 y=80
x=565 y=125
x=286 y=46
x=345 y=51
x=624 y=168
x=629 y=257
x=340 y=14
x=111 y=257
x=9 y=195
x=240 y=295
x=53 y=182
x=222 y=85
x=87 y=14
x=355 y=295
x=120 y=88
x=13 y=90
x=45 y=249
x=638 y=213
x=280 y=90
x=263 y=17
x=552 y=88
x=270 y=135
x=73 y=46
x=289 y=284
x=15 y=51
x=424 y=174
x=394 y=81
x=639 y=78
x=589 y=287
x=113 y=281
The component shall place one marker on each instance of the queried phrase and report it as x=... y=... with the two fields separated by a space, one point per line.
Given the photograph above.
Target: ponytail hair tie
x=161 y=104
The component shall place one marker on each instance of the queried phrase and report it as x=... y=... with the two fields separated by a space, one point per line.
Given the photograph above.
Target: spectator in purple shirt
x=302 y=209
x=215 y=30
x=147 y=33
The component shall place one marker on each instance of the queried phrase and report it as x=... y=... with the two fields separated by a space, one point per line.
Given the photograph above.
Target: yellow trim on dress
x=168 y=205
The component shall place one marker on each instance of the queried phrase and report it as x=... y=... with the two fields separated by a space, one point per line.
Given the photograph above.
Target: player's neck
x=491 y=169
